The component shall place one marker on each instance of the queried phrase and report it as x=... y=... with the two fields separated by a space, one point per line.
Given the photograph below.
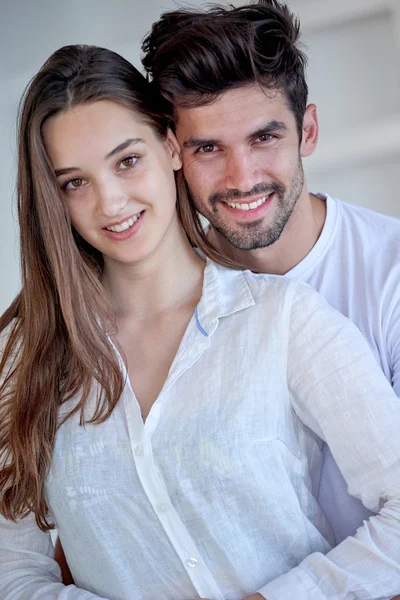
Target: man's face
x=241 y=159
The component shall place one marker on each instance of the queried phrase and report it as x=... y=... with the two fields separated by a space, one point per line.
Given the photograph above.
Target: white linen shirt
x=213 y=495
x=355 y=266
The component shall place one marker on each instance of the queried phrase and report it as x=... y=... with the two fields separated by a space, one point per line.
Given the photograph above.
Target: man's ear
x=310 y=131
x=174 y=148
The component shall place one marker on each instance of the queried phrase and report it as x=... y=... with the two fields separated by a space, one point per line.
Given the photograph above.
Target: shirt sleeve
x=392 y=326
x=28 y=570
x=340 y=393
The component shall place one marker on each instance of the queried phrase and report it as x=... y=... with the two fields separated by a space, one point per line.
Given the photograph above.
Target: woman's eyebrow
x=124 y=146
x=119 y=148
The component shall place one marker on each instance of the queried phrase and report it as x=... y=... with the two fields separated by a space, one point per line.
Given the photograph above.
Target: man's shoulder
x=366 y=222
x=362 y=234
x=361 y=260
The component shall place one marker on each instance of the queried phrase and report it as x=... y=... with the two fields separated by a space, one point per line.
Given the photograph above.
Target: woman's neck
x=172 y=277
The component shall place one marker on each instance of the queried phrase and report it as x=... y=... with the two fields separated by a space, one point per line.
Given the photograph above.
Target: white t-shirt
x=355 y=265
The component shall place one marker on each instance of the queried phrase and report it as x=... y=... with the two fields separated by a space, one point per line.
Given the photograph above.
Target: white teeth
x=125 y=225
x=250 y=206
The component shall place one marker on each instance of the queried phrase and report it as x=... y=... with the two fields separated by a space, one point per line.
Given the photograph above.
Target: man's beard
x=255 y=234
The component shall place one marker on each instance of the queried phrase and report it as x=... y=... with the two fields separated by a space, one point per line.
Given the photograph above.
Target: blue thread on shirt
x=203 y=331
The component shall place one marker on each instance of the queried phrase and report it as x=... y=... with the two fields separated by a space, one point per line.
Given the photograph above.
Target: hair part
x=194 y=56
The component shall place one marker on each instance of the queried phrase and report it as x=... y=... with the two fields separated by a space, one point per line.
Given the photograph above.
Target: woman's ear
x=174 y=148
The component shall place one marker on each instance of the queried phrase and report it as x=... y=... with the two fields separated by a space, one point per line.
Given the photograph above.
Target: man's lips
x=241 y=211
x=249 y=204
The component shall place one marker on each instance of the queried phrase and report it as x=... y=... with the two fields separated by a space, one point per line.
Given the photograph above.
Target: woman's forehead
x=95 y=128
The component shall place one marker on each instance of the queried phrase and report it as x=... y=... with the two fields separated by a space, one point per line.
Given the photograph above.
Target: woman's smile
x=125 y=230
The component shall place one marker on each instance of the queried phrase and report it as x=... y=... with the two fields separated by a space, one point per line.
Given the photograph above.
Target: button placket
x=180 y=538
x=157 y=493
x=139 y=450
x=163 y=507
x=192 y=562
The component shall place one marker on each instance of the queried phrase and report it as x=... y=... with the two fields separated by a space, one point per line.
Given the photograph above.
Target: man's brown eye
x=208 y=148
x=265 y=137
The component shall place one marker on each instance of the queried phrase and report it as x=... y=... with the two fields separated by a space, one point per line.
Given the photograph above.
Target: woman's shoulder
x=259 y=283
x=263 y=289
x=262 y=283
x=280 y=287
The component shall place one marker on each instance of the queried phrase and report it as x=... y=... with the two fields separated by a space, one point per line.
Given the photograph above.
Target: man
x=235 y=78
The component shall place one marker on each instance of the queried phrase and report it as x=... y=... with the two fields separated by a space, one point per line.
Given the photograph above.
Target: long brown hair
x=55 y=335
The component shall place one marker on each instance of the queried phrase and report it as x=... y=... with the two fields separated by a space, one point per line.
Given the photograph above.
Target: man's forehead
x=247 y=106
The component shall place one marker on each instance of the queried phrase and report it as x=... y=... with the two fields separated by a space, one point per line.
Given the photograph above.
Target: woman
x=166 y=413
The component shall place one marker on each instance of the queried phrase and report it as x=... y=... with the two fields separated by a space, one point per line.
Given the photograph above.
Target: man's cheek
x=195 y=178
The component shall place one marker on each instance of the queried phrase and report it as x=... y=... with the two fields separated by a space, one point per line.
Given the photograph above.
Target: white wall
x=354 y=78
x=354 y=48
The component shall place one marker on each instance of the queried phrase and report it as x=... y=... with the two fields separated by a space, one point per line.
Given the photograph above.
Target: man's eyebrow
x=270 y=127
x=195 y=142
x=119 y=148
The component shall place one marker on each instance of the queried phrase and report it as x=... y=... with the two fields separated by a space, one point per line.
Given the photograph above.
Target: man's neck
x=296 y=241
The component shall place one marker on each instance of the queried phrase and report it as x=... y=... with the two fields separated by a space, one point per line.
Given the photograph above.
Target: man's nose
x=241 y=172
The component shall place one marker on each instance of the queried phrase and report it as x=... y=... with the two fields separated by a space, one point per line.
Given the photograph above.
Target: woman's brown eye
x=128 y=162
x=73 y=184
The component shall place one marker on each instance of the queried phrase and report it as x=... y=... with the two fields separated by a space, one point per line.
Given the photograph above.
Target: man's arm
x=339 y=392
x=391 y=332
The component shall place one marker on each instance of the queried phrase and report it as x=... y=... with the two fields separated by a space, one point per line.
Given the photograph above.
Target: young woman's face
x=116 y=177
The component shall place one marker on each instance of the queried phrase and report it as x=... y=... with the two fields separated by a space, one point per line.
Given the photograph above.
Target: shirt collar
x=225 y=291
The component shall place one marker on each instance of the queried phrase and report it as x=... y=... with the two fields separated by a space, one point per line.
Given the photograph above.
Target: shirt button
x=191 y=562
x=139 y=450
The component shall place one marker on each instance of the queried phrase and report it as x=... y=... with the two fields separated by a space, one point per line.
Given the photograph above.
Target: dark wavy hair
x=193 y=56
